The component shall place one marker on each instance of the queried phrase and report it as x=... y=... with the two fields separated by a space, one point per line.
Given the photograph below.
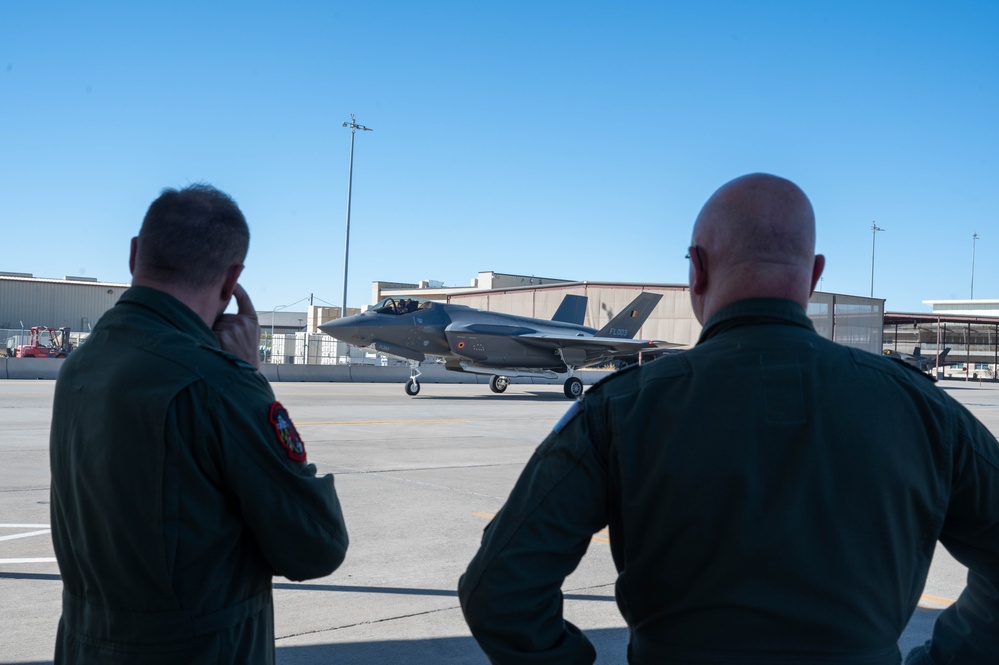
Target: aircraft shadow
x=959 y=385
x=553 y=396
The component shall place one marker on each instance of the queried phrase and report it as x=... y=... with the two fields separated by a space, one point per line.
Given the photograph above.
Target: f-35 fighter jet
x=504 y=346
x=918 y=360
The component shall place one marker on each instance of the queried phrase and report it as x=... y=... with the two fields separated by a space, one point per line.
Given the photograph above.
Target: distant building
x=74 y=302
x=969 y=328
x=984 y=308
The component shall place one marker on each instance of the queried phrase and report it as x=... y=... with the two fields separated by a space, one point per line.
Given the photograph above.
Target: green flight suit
x=179 y=489
x=771 y=497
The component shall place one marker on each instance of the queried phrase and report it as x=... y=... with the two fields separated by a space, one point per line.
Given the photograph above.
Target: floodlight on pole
x=974 y=239
x=350 y=178
x=874 y=235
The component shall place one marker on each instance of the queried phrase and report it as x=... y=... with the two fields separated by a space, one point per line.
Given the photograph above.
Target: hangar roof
x=902 y=318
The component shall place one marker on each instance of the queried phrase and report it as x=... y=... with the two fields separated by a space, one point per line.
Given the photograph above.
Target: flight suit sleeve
x=294 y=514
x=511 y=592
x=967 y=632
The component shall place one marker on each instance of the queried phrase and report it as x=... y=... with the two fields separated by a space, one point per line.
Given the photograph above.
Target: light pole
x=974 y=240
x=271 y=349
x=874 y=236
x=350 y=177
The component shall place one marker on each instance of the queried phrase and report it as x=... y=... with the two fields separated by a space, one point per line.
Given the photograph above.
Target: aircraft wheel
x=412 y=388
x=498 y=384
x=573 y=387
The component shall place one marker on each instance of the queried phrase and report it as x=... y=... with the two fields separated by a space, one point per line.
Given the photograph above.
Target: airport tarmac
x=418 y=478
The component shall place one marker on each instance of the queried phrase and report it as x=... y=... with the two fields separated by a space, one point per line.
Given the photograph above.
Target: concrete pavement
x=418 y=479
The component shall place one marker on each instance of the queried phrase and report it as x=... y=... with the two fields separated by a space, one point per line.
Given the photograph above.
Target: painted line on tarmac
x=40 y=560
x=26 y=535
x=378 y=422
x=935 y=602
x=25 y=526
x=44 y=530
x=601 y=536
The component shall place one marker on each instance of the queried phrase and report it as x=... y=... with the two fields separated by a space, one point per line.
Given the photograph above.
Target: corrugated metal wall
x=851 y=320
x=55 y=303
x=672 y=320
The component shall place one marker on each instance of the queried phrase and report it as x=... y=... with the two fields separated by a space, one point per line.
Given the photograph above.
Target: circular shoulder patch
x=286 y=433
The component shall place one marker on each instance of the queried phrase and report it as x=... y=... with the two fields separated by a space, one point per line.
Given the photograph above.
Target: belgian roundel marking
x=461 y=344
x=286 y=433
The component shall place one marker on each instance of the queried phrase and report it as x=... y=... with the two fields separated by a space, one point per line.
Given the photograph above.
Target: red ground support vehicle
x=45 y=343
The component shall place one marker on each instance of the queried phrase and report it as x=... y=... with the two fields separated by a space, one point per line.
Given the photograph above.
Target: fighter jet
x=917 y=360
x=503 y=346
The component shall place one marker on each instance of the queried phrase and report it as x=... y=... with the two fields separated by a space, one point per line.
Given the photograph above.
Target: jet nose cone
x=344 y=330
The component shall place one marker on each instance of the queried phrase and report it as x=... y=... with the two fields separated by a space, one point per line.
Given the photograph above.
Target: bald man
x=771 y=496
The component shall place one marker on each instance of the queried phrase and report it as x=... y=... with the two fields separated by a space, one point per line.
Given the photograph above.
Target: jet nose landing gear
x=412 y=385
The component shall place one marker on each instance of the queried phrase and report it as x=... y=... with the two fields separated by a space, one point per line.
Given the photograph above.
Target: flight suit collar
x=171 y=310
x=754 y=311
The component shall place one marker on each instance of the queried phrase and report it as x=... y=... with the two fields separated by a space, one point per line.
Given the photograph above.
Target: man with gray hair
x=180 y=486
x=771 y=496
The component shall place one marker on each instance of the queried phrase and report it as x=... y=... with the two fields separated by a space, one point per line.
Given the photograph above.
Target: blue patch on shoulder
x=574 y=410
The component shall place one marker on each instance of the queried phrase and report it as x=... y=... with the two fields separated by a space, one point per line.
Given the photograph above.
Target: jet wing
x=485 y=344
x=613 y=344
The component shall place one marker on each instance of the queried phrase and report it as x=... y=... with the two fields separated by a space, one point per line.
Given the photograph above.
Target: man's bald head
x=754 y=238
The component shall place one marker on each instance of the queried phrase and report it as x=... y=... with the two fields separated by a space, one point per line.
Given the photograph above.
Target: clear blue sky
x=559 y=139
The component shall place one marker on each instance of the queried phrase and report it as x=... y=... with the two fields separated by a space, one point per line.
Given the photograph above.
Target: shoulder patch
x=574 y=410
x=286 y=433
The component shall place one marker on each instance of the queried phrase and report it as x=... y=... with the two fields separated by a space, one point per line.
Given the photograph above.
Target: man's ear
x=131 y=255
x=230 y=281
x=817 y=268
x=699 y=271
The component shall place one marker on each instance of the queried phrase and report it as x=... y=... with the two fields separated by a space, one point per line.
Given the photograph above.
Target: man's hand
x=239 y=333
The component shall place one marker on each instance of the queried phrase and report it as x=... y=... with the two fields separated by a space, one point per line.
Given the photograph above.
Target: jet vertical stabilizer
x=627 y=322
x=572 y=310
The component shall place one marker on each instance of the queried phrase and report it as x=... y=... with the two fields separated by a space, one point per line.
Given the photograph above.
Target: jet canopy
x=400 y=306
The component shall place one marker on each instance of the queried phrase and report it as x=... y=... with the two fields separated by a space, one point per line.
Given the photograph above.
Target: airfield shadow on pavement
x=406 y=591
x=52 y=577
x=611 y=645
x=919 y=629
x=551 y=396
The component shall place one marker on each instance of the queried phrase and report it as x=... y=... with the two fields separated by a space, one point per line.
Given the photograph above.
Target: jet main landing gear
x=498 y=384
x=573 y=387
